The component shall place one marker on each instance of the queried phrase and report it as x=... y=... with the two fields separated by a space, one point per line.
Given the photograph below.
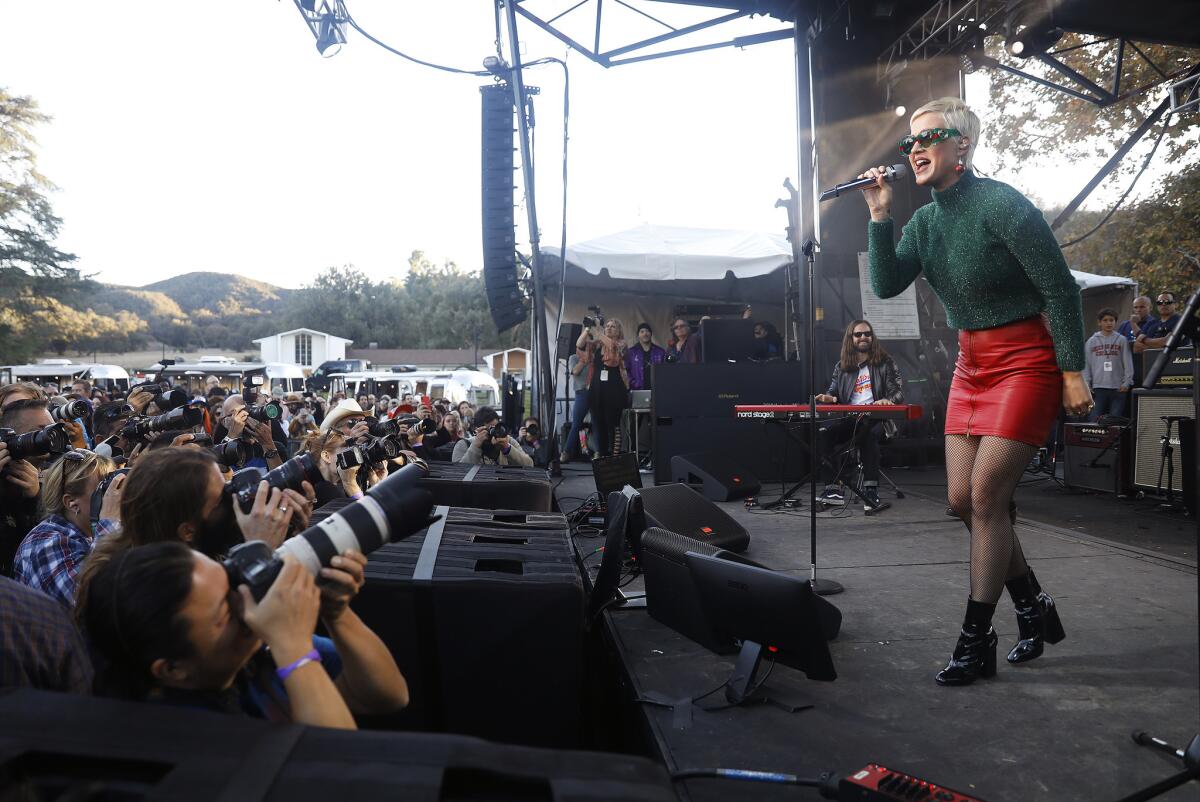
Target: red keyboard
x=800 y=411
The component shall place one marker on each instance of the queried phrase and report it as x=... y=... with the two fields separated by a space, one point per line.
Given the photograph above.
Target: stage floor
x=1055 y=729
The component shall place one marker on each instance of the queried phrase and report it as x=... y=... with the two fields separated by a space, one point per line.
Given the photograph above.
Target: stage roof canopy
x=666 y=253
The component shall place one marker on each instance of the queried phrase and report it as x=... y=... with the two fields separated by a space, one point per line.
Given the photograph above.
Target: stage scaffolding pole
x=543 y=377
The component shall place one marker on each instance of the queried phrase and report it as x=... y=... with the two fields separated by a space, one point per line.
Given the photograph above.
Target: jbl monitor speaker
x=680 y=509
x=719 y=477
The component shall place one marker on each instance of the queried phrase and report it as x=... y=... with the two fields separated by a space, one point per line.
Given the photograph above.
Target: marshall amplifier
x=1177 y=373
x=1153 y=407
x=1097 y=457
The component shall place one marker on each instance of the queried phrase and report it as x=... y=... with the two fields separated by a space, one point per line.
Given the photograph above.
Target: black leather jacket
x=885 y=382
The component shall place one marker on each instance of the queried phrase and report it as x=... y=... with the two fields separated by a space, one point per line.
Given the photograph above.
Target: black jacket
x=885 y=382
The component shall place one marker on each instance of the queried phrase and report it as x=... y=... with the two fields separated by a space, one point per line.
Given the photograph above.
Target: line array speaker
x=505 y=299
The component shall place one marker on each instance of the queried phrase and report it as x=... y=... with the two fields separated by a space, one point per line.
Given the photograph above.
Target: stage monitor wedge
x=719 y=477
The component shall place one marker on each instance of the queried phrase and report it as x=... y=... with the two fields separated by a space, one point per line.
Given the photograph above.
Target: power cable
x=1132 y=184
x=413 y=59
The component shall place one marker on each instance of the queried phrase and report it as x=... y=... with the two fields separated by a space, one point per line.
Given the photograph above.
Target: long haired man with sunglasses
x=996 y=267
x=864 y=374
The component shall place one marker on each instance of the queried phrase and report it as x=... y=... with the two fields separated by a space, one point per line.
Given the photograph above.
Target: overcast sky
x=212 y=136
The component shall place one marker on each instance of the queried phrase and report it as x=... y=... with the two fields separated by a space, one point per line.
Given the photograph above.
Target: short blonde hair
x=958 y=115
x=70 y=476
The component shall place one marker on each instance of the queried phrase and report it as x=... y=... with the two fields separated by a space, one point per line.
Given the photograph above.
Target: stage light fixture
x=1029 y=29
x=327 y=20
x=901 y=110
x=331 y=35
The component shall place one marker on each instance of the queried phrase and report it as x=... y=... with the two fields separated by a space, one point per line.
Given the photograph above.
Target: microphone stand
x=823 y=587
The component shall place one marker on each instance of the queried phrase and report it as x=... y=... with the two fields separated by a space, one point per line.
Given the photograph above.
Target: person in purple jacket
x=640 y=357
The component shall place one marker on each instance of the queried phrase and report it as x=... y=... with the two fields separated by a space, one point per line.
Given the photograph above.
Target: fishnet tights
x=981 y=475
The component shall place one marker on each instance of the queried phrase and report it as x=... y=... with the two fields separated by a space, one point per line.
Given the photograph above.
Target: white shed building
x=304 y=347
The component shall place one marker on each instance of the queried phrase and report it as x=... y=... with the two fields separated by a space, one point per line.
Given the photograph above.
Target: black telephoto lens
x=498 y=432
x=382 y=449
x=176 y=419
x=235 y=452
x=300 y=468
x=383 y=428
x=171 y=399
x=50 y=439
x=267 y=412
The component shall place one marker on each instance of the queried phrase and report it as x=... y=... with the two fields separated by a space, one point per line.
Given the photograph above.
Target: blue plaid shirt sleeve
x=52 y=554
x=39 y=645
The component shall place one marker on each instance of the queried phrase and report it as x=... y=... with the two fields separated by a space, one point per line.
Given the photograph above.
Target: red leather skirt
x=1006 y=383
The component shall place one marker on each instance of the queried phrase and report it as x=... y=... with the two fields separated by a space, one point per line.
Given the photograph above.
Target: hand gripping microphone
x=890 y=175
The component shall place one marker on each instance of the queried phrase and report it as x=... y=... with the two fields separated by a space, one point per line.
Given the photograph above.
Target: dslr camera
x=52 y=439
x=165 y=398
x=422 y=425
x=376 y=450
x=175 y=420
x=71 y=410
x=391 y=510
x=244 y=484
x=594 y=319
x=268 y=412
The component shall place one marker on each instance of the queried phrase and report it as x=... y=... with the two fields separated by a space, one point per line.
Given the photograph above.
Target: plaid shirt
x=51 y=555
x=39 y=645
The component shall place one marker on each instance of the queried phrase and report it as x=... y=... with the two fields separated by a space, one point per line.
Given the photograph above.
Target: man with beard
x=864 y=374
x=177 y=494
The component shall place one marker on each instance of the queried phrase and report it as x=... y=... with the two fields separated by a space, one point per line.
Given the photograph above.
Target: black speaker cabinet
x=680 y=509
x=692 y=410
x=568 y=335
x=62 y=746
x=671 y=596
x=484 y=613
x=1097 y=457
x=720 y=478
x=502 y=487
x=1153 y=407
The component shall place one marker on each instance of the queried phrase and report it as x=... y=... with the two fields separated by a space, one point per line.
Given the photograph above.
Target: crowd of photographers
x=203 y=550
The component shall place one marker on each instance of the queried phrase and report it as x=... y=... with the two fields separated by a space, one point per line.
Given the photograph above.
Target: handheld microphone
x=892 y=173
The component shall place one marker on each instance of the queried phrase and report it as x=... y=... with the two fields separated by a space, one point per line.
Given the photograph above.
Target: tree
x=1142 y=239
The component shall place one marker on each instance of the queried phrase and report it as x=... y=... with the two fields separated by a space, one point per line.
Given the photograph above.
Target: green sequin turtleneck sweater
x=990 y=257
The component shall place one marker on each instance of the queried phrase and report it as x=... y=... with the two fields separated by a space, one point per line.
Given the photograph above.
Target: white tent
x=642 y=274
x=657 y=253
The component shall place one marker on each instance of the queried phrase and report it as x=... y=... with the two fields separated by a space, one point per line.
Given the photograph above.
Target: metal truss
x=635 y=51
x=958 y=27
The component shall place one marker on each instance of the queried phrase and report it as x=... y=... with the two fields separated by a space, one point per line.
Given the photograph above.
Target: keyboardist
x=864 y=374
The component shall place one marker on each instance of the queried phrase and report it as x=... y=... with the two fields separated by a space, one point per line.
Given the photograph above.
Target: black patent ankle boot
x=1037 y=618
x=975 y=653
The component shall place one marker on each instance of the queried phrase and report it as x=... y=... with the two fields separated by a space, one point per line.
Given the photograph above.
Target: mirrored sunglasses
x=930 y=136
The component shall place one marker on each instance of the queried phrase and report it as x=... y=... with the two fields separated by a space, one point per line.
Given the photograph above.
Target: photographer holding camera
x=336 y=482
x=51 y=556
x=170 y=629
x=240 y=424
x=491 y=444
x=529 y=438
x=608 y=379
x=19 y=471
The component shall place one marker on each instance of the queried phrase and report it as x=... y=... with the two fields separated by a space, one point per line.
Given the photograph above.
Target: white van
x=454 y=385
x=63 y=371
x=284 y=378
